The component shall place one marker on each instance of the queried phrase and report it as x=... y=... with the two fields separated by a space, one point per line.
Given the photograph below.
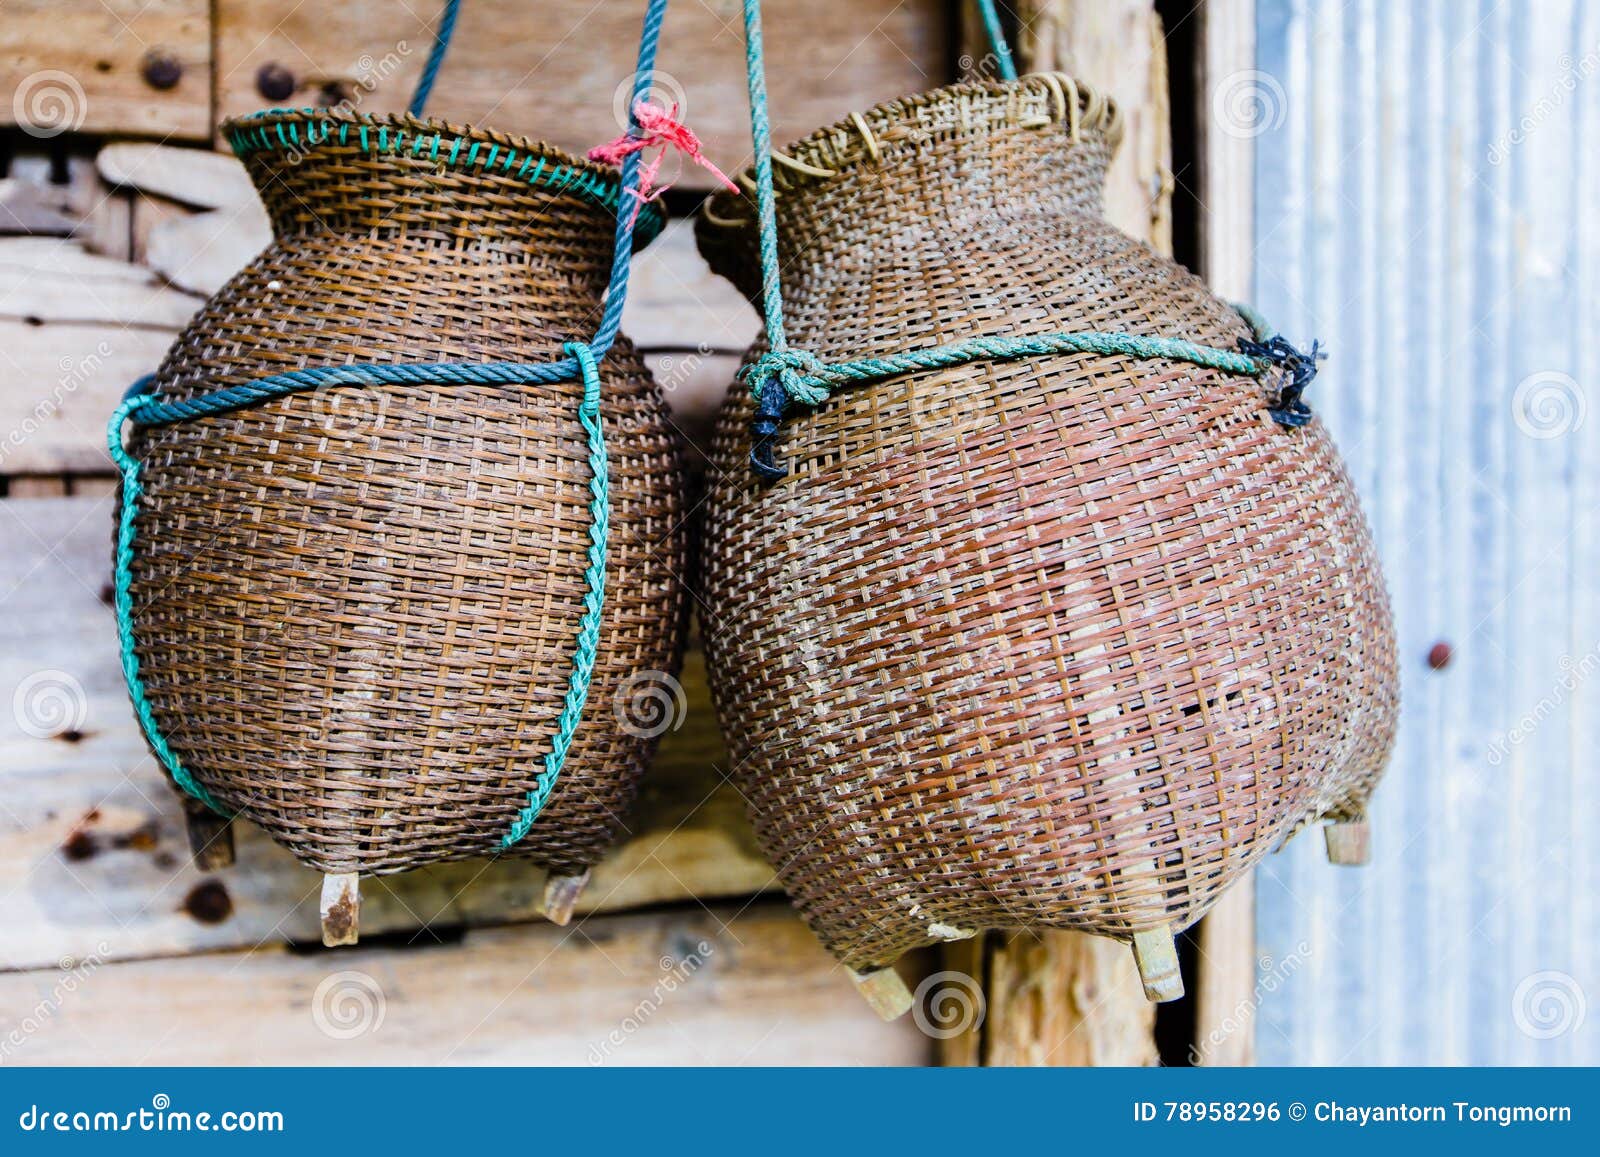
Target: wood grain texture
x=1119 y=46
x=556 y=70
x=92 y=844
x=718 y=986
x=77 y=65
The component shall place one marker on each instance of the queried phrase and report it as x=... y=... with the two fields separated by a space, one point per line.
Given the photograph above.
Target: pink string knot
x=656 y=126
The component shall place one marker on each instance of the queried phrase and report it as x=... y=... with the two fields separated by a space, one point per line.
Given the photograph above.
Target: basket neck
x=933 y=167
x=401 y=178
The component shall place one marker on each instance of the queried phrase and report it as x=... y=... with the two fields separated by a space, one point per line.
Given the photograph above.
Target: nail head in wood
x=1349 y=842
x=561 y=896
x=341 y=909
x=1156 y=954
x=884 y=991
x=210 y=836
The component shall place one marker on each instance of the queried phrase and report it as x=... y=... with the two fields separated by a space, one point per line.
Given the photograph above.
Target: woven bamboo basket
x=1063 y=642
x=356 y=608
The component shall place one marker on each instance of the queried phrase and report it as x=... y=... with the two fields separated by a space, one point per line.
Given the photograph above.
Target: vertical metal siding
x=1428 y=204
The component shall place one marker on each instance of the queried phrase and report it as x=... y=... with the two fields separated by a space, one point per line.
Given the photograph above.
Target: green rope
x=784 y=376
x=123 y=583
x=997 y=40
x=593 y=598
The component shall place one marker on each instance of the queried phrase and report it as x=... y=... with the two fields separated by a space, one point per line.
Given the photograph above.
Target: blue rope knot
x=1298 y=369
x=776 y=378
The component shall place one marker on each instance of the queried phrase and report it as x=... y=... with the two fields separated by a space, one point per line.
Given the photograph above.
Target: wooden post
x=884 y=991
x=1349 y=842
x=210 y=836
x=341 y=909
x=561 y=896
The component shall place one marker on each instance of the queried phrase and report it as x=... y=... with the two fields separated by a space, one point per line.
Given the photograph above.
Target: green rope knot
x=796 y=371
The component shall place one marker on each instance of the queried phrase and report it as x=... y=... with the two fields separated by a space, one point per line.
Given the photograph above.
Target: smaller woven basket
x=1067 y=641
x=356 y=608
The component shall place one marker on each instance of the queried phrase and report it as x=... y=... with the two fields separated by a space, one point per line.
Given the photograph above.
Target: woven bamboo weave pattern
x=1067 y=641
x=356 y=606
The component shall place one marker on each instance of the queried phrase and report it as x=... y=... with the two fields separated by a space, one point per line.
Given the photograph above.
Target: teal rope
x=593 y=598
x=783 y=376
x=997 y=40
x=122 y=585
x=816 y=387
x=581 y=361
x=430 y=71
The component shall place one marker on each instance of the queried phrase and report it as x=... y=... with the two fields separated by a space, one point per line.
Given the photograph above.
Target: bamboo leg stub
x=210 y=836
x=341 y=909
x=1349 y=842
x=1156 y=954
x=561 y=896
x=884 y=991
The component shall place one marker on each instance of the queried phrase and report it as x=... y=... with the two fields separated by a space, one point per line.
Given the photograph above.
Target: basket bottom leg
x=1156 y=954
x=884 y=991
x=341 y=908
x=561 y=896
x=1349 y=842
x=210 y=836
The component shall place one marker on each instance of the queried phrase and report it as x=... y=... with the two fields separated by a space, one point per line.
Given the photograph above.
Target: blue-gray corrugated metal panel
x=1428 y=203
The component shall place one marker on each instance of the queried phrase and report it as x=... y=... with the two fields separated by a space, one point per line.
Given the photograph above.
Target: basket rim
x=460 y=146
x=830 y=151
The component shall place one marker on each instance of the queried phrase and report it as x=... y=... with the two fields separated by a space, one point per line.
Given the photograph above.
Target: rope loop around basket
x=785 y=377
x=580 y=363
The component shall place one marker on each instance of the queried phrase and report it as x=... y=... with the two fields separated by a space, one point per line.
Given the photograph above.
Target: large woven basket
x=356 y=609
x=1064 y=642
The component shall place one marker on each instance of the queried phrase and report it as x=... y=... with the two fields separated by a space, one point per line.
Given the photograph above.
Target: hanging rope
x=430 y=70
x=997 y=40
x=784 y=376
x=580 y=363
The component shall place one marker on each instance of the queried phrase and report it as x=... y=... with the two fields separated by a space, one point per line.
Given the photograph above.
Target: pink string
x=656 y=126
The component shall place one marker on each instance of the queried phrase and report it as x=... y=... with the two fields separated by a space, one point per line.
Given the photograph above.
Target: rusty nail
x=1439 y=655
x=161 y=69
x=275 y=82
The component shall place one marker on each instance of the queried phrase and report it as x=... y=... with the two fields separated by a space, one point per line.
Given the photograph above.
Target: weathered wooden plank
x=1225 y=990
x=559 y=70
x=46 y=280
x=1119 y=46
x=82 y=65
x=705 y=986
x=197 y=177
x=92 y=840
